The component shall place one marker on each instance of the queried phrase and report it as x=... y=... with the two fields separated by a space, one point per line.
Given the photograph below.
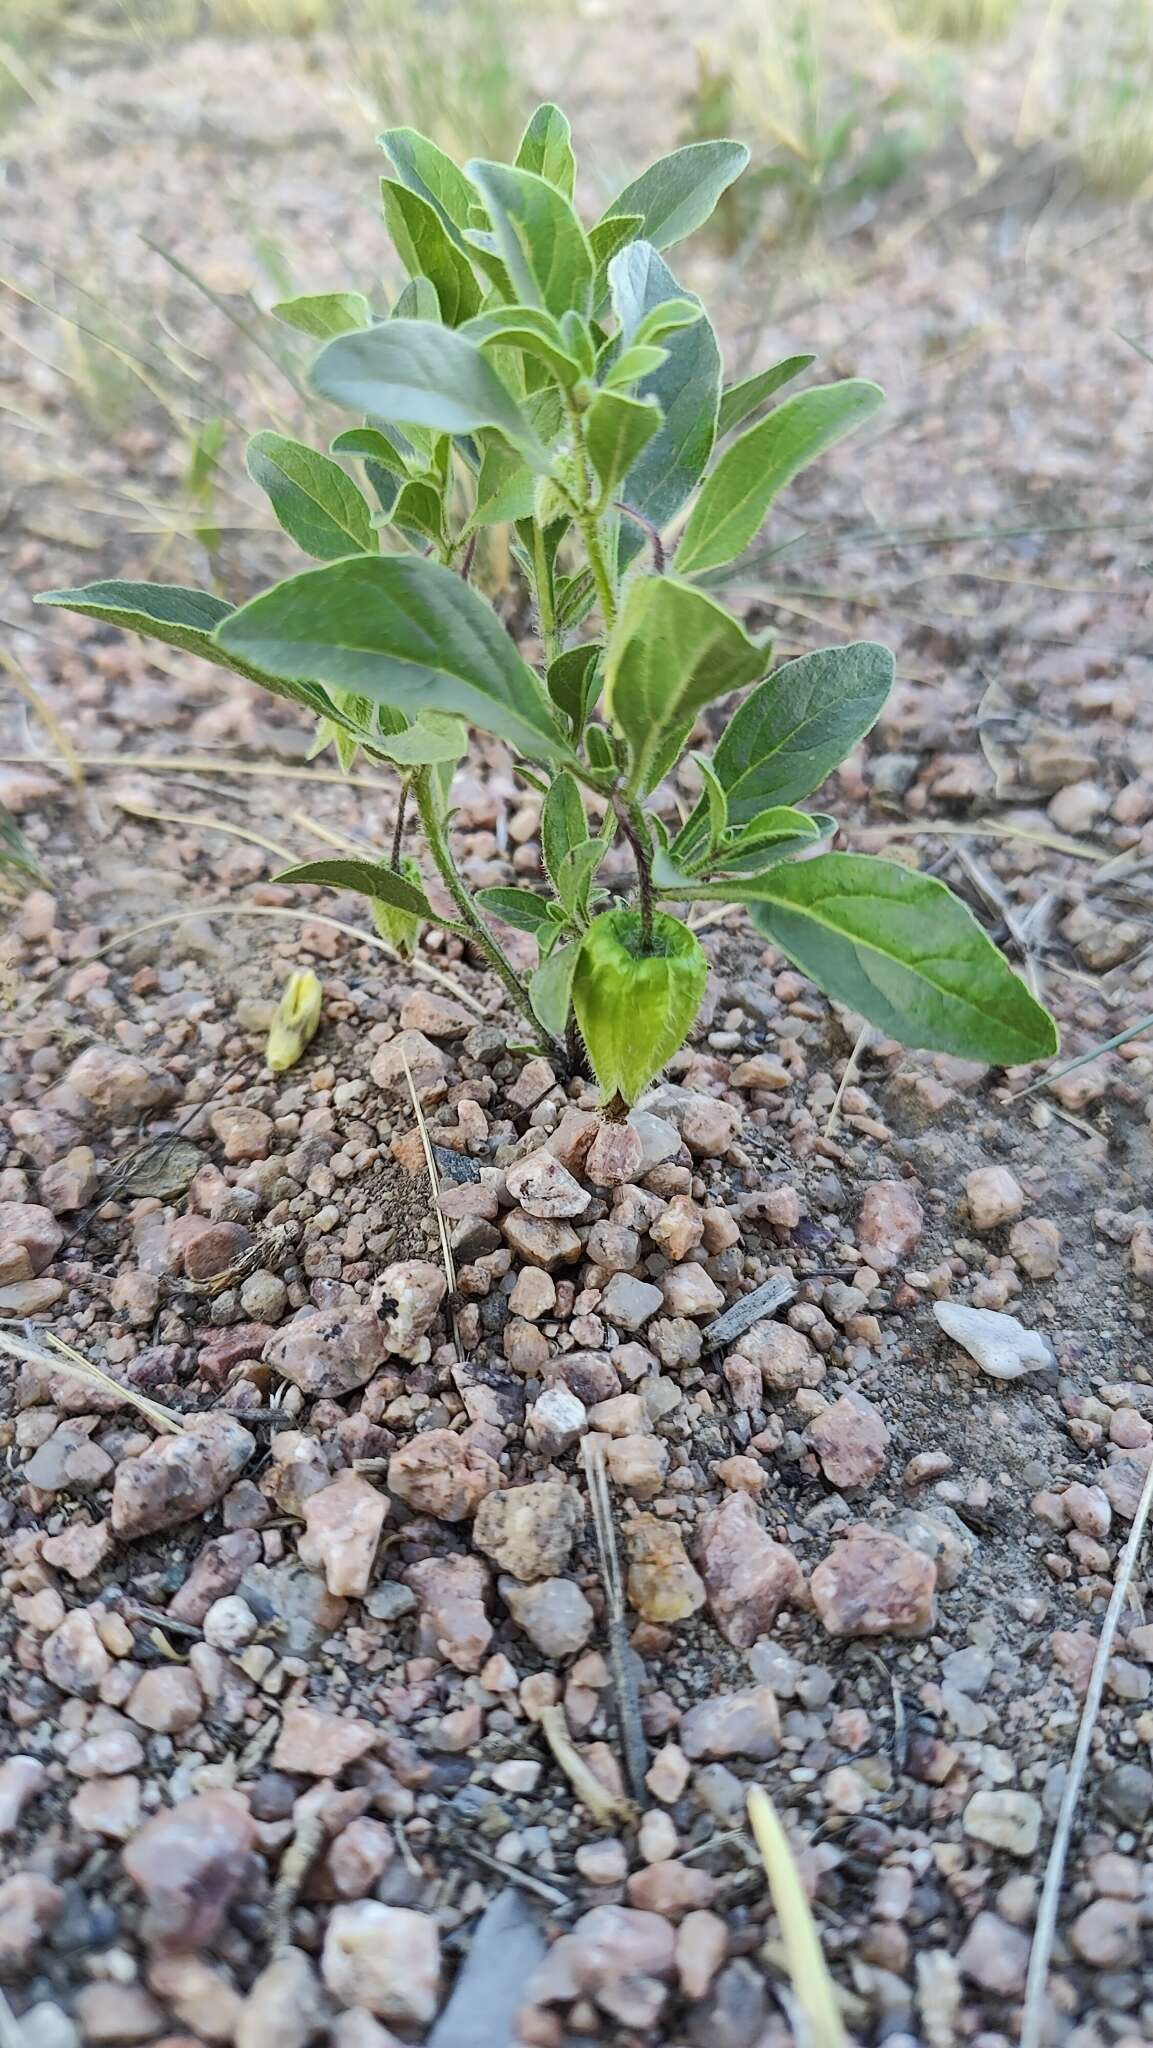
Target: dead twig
x=434 y=1184
x=60 y=1357
x=852 y=1068
x=605 y=1806
x=633 y=1743
x=1033 y=2025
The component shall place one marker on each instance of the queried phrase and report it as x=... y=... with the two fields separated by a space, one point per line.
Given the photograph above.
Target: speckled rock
x=530 y=1530
x=283 y=2007
x=167 y=1701
x=663 y=1587
x=117 y=1086
x=1004 y=1819
x=329 y=1352
x=189 y=1861
x=873 y=1584
x=783 y=1356
x=73 y=1656
x=553 y=1613
x=889 y=1225
x=851 y=1441
x=749 y=1578
x=319 y=1744
x=994 y=1197
x=179 y=1476
x=34 y=1229
x=384 y=1958
x=543 y=1187
x=343 y=1524
x=744 y=1723
x=452 y=1592
x=437 y=1473
x=407 y=1297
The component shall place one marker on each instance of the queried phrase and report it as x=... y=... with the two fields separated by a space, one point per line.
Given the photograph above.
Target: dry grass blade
x=1033 y=2025
x=171 y=917
x=60 y=1357
x=46 y=715
x=434 y=1184
x=605 y=1807
x=814 y=1990
x=199 y=764
x=203 y=822
x=989 y=828
x=852 y=1068
x=1083 y=1058
x=628 y=1705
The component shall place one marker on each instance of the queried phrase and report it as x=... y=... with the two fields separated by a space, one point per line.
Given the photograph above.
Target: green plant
x=967 y=22
x=559 y=381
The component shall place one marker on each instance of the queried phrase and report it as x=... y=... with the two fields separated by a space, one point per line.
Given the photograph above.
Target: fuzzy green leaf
x=736 y=497
x=373 y=444
x=519 y=907
x=546 y=148
x=742 y=399
x=572 y=682
x=550 y=989
x=677 y=194
x=427 y=250
x=540 y=239
x=505 y=487
x=433 y=736
x=796 y=726
x=616 y=430
x=315 y=502
x=366 y=878
x=900 y=949
x=635 y=1008
x=687 y=387
x=403 y=631
x=181 y=618
x=563 y=826
x=532 y=331
x=672 y=651
x=417 y=508
x=325 y=313
x=427 y=171
x=423 y=375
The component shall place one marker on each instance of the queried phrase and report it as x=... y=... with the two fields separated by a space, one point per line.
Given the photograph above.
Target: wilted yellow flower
x=296 y=1021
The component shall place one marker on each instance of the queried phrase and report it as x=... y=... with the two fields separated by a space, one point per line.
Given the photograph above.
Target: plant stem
x=454 y=882
x=398 y=828
x=545 y=599
x=586 y=519
x=631 y=820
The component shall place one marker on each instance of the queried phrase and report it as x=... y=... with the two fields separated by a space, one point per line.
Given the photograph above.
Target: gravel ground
x=294 y=1666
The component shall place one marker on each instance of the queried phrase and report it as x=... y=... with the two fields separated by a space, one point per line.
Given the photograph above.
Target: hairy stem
x=545 y=600
x=589 y=524
x=454 y=882
x=631 y=820
x=398 y=828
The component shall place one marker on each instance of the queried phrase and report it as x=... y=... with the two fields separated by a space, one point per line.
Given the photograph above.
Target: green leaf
x=775 y=835
x=791 y=732
x=742 y=399
x=434 y=736
x=399 y=928
x=181 y=618
x=540 y=239
x=424 y=375
x=546 y=148
x=519 y=907
x=616 y=430
x=529 y=329
x=575 y=876
x=550 y=989
x=417 y=508
x=426 y=249
x=16 y=856
x=715 y=803
x=417 y=300
x=671 y=652
x=572 y=682
x=575 y=598
x=367 y=878
x=403 y=631
x=677 y=194
x=632 y=364
x=900 y=949
x=427 y=171
x=665 y=319
x=374 y=444
x=315 y=502
x=325 y=313
x=505 y=487
x=636 y=1007
x=604 y=240
x=737 y=495
x=687 y=388
x=563 y=825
